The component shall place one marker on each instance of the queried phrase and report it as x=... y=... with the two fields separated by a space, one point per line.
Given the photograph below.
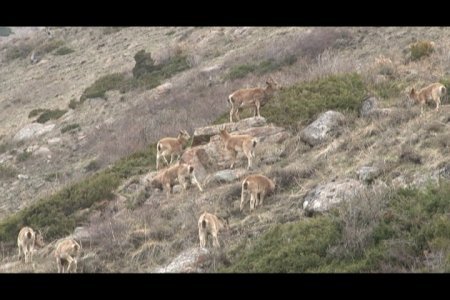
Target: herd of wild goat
x=257 y=185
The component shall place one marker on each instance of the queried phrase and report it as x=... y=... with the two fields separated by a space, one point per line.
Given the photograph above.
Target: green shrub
x=292 y=247
x=144 y=64
x=92 y=166
x=57 y=213
x=71 y=127
x=64 y=50
x=421 y=49
x=74 y=103
x=49 y=114
x=240 y=71
x=103 y=84
x=304 y=101
x=36 y=112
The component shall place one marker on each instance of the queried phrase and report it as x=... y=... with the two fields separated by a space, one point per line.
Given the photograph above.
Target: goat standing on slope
x=210 y=224
x=258 y=186
x=234 y=143
x=26 y=241
x=166 y=179
x=67 y=251
x=433 y=92
x=171 y=146
x=252 y=97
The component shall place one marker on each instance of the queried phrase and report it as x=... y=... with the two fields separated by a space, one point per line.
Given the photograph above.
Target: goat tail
x=245 y=185
x=203 y=224
x=158 y=147
x=254 y=142
x=29 y=235
x=230 y=100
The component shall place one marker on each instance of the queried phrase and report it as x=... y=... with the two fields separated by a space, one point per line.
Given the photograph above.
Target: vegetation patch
x=264 y=67
x=71 y=128
x=288 y=248
x=64 y=50
x=146 y=76
x=421 y=49
x=407 y=229
x=102 y=85
x=304 y=101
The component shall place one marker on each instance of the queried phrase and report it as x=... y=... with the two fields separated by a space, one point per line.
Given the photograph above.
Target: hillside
x=366 y=190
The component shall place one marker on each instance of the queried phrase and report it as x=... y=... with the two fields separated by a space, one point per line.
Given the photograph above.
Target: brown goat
x=26 y=241
x=234 y=143
x=251 y=97
x=433 y=92
x=258 y=186
x=210 y=224
x=166 y=179
x=171 y=146
x=67 y=251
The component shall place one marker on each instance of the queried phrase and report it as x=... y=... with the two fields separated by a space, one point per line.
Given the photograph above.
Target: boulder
x=190 y=261
x=325 y=196
x=32 y=130
x=322 y=129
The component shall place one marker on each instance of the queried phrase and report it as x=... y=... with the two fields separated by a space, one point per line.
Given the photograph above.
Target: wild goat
x=234 y=143
x=171 y=146
x=252 y=97
x=210 y=224
x=26 y=241
x=166 y=179
x=67 y=252
x=433 y=92
x=258 y=186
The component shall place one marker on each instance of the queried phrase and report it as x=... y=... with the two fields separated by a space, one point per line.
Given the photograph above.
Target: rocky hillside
x=361 y=176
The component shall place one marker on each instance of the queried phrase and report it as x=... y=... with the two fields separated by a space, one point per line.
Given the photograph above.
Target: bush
x=102 y=85
x=421 y=49
x=74 y=103
x=144 y=64
x=92 y=166
x=293 y=247
x=64 y=50
x=46 y=114
x=36 y=112
x=57 y=213
x=304 y=101
x=71 y=127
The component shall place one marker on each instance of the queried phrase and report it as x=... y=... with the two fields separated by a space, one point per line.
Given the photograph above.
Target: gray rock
x=368 y=106
x=323 y=128
x=326 y=196
x=189 y=261
x=368 y=174
x=202 y=135
x=32 y=130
